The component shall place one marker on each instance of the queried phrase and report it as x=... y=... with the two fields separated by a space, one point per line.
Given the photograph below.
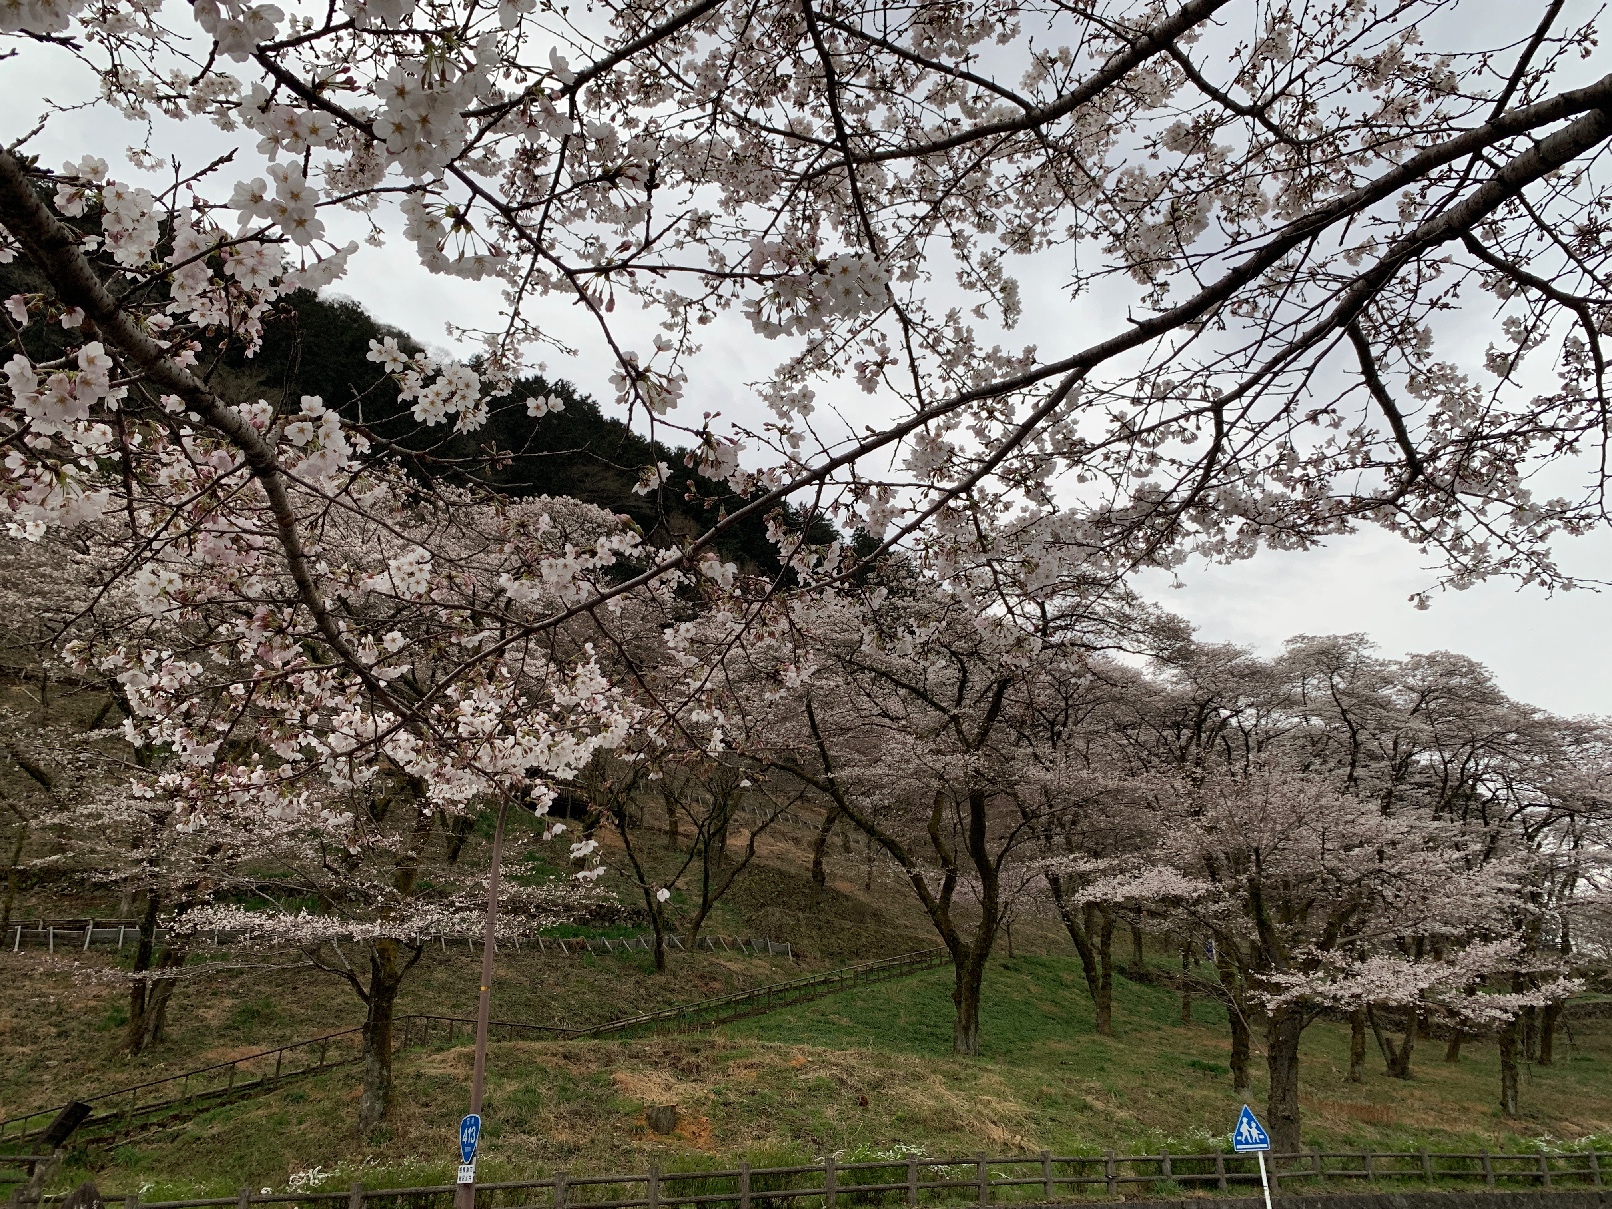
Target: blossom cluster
x=805 y=292
x=435 y=391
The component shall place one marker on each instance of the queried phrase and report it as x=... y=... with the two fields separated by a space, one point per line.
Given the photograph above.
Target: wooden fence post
x=132 y=1201
x=828 y=1182
x=1595 y=1169
x=1275 y=1176
x=1370 y=1175
x=652 y=1182
x=1046 y=1174
x=1427 y=1165
x=355 y=1196
x=1488 y=1167
x=1220 y=1170
x=912 y=1181
x=1110 y=1173
x=1315 y=1163
x=744 y=1184
x=244 y=1201
x=982 y=1176
x=1544 y=1169
x=1164 y=1166
x=559 y=1190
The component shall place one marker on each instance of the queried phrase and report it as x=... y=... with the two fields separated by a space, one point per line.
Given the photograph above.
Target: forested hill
x=319 y=346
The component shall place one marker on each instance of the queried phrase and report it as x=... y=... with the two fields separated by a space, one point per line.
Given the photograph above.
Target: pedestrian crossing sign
x=1249 y=1134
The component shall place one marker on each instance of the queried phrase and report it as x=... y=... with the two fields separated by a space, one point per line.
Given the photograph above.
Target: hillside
x=318 y=345
x=865 y=1072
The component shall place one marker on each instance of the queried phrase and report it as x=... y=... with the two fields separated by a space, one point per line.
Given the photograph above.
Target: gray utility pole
x=465 y=1193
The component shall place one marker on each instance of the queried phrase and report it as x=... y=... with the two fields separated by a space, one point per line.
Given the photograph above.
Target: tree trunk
x=1283 y=1030
x=153 y=1021
x=459 y=831
x=1357 y=1045
x=137 y=1035
x=1509 y=1044
x=674 y=826
x=717 y=841
x=1396 y=1058
x=1138 y=960
x=819 y=870
x=1186 y=987
x=1092 y=932
x=1548 y=1018
x=1104 y=999
x=1530 y=1034
x=1237 y=1019
x=162 y=990
x=1452 y=1051
x=970 y=977
x=10 y=902
x=1402 y=1063
x=386 y=975
x=659 y=927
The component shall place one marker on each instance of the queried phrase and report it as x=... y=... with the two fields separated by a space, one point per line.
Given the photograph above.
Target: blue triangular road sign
x=1249 y=1134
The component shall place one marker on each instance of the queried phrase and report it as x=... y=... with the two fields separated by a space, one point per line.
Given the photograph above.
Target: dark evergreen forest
x=316 y=345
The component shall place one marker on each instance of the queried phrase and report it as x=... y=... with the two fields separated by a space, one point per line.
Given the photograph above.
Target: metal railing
x=978 y=1180
x=132 y=1108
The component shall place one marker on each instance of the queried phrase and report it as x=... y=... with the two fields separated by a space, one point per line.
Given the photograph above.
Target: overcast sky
x=1553 y=652
x=1550 y=651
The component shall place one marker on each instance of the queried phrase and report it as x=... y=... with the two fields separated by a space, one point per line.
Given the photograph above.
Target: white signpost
x=1249 y=1136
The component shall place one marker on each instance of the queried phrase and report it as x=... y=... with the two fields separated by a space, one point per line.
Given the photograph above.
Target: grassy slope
x=792 y=1086
x=785 y=1087
x=60 y=1016
x=60 y=1023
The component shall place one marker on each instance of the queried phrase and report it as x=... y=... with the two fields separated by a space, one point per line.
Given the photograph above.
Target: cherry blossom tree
x=254 y=758
x=91 y=826
x=1274 y=207
x=1268 y=215
x=728 y=806
x=911 y=710
x=1294 y=881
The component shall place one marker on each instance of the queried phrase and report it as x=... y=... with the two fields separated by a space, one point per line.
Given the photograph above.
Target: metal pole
x=465 y=1194
x=1264 y=1181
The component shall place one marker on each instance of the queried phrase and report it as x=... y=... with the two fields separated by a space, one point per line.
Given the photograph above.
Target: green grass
x=1029 y=1003
x=866 y=1074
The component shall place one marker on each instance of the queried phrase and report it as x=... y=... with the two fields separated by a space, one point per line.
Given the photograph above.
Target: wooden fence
x=192 y=1091
x=78 y=935
x=978 y=1181
x=118 y=1113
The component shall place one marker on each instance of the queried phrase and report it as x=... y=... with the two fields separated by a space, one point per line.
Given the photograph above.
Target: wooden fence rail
x=975 y=1181
x=78 y=935
x=117 y=1113
x=194 y=1090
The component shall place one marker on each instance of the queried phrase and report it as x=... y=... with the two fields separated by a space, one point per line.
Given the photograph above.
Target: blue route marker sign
x=470 y=1134
x=1249 y=1134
